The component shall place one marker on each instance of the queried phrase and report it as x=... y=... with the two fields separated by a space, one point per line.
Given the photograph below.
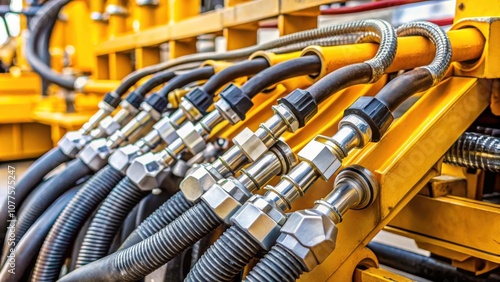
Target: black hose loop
x=277 y=265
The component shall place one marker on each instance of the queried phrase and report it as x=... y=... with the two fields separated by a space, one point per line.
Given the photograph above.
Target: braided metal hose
x=475 y=150
x=52 y=254
x=108 y=220
x=277 y=265
x=434 y=33
x=163 y=216
x=226 y=257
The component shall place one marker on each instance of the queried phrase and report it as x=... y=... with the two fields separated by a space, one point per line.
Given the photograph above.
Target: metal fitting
x=226 y=197
x=190 y=111
x=250 y=144
x=104 y=110
x=147 y=172
x=354 y=132
x=192 y=136
x=199 y=180
x=291 y=121
x=80 y=83
x=310 y=236
x=123 y=157
x=321 y=156
x=261 y=220
x=72 y=142
x=116 y=10
x=98 y=17
x=95 y=154
x=227 y=112
x=149 y=3
x=167 y=126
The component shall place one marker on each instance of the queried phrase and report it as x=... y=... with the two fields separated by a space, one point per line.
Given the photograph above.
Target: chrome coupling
x=104 y=110
x=190 y=111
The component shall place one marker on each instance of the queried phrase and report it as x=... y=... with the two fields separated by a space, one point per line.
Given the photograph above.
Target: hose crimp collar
x=72 y=142
x=261 y=220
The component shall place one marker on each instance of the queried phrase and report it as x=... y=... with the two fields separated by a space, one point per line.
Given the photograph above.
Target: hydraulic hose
x=43 y=18
x=279 y=72
x=156 y=80
x=47 y=193
x=53 y=251
x=27 y=249
x=43 y=49
x=108 y=220
x=233 y=72
x=163 y=246
x=277 y=265
x=308 y=35
x=476 y=151
x=422 y=78
x=30 y=180
x=184 y=79
x=163 y=216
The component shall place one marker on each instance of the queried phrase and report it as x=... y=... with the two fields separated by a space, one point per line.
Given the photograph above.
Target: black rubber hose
x=404 y=86
x=339 y=79
x=62 y=233
x=141 y=259
x=31 y=178
x=27 y=249
x=47 y=193
x=43 y=17
x=233 y=72
x=279 y=72
x=184 y=79
x=156 y=80
x=163 y=216
x=108 y=220
x=43 y=49
x=226 y=257
x=277 y=265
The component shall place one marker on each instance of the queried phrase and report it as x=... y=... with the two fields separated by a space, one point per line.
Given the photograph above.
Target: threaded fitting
x=277 y=265
x=475 y=150
x=226 y=257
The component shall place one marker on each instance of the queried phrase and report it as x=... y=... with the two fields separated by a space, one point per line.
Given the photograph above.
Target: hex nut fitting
x=260 y=220
x=250 y=144
x=321 y=157
x=147 y=172
x=95 y=154
x=190 y=136
x=226 y=197
x=167 y=130
x=108 y=125
x=310 y=236
x=123 y=157
x=72 y=142
x=199 y=180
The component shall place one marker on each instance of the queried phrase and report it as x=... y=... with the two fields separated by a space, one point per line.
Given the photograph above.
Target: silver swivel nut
x=104 y=110
x=95 y=154
x=310 y=235
x=72 y=142
x=148 y=171
x=121 y=159
x=228 y=195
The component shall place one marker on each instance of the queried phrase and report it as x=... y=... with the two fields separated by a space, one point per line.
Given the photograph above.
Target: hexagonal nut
x=321 y=157
x=250 y=144
x=147 y=172
x=108 y=125
x=310 y=235
x=123 y=157
x=167 y=130
x=258 y=224
x=221 y=202
x=72 y=142
x=95 y=154
x=189 y=133
x=197 y=182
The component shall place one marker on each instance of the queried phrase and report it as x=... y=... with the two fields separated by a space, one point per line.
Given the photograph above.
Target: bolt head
x=147 y=172
x=95 y=154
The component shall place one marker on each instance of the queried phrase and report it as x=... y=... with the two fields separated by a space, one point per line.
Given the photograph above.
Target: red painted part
x=442 y=22
x=367 y=7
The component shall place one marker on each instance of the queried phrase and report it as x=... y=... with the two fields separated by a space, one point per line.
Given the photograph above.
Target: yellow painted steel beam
x=460 y=222
x=404 y=161
x=101 y=86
